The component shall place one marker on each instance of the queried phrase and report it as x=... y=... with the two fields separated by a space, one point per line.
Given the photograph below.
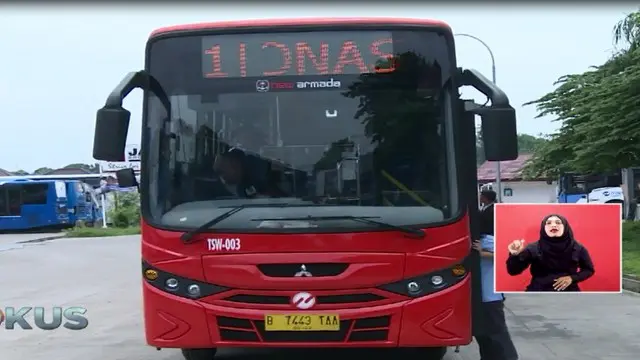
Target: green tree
x=598 y=112
x=527 y=144
x=395 y=120
x=126 y=210
x=42 y=171
x=92 y=168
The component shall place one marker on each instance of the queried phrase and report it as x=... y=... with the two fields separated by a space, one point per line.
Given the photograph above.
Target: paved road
x=100 y=274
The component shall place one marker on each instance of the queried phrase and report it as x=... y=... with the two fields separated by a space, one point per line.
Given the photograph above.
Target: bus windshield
x=336 y=122
x=583 y=184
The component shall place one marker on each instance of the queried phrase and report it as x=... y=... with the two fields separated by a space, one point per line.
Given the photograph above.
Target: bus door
x=561 y=190
x=59 y=198
x=572 y=188
x=79 y=207
x=71 y=200
x=94 y=211
x=97 y=207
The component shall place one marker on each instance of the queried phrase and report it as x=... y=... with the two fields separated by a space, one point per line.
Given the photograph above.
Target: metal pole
x=493 y=78
x=102 y=201
x=498 y=172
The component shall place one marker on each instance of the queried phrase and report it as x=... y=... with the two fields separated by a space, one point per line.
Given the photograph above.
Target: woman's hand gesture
x=516 y=247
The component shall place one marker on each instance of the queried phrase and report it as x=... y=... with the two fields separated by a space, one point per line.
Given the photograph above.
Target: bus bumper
x=439 y=319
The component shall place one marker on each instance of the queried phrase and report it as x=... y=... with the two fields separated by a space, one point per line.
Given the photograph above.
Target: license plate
x=302 y=322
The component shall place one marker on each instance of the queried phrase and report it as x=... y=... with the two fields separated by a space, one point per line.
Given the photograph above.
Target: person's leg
x=504 y=347
x=485 y=347
x=485 y=342
x=501 y=346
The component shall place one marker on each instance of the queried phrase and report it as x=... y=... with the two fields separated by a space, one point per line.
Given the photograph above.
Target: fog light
x=437 y=280
x=413 y=287
x=150 y=274
x=172 y=284
x=458 y=270
x=193 y=290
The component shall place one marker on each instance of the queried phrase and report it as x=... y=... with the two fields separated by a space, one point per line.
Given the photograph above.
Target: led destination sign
x=297 y=54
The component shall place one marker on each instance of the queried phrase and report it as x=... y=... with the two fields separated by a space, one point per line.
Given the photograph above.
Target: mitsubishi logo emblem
x=303 y=272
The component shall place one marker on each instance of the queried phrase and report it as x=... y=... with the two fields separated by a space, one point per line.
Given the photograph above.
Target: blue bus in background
x=33 y=204
x=82 y=202
x=576 y=188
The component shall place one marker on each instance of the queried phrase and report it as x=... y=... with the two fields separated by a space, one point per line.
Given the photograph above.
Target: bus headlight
x=172 y=284
x=178 y=285
x=193 y=290
x=437 y=280
x=413 y=288
x=428 y=283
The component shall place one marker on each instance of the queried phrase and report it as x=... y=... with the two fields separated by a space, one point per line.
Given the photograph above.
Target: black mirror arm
x=471 y=77
x=137 y=80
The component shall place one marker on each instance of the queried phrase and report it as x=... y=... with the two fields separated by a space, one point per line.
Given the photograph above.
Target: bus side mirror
x=112 y=121
x=499 y=134
x=112 y=125
x=126 y=178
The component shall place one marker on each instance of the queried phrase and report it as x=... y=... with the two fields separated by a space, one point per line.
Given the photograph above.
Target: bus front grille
x=320 y=299
x=374 y=329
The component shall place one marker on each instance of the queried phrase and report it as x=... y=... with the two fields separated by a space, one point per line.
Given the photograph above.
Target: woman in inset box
x=557 y=261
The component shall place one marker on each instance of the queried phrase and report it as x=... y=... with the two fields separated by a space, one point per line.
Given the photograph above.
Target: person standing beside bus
x=495 y=343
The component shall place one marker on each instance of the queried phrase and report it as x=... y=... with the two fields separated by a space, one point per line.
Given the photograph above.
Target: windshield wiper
x=188 y=236
x=411 y=232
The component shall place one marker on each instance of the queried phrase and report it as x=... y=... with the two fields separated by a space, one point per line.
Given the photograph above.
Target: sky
x=58 y=64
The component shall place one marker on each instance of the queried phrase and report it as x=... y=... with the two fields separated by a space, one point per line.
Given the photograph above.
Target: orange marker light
x=150 y=274
x=458 y=270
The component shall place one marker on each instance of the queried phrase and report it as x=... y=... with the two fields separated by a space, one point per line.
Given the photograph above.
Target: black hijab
x=556 y=250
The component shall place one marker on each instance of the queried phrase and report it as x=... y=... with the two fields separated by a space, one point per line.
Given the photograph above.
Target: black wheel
x=199 y=354
x=428 y=353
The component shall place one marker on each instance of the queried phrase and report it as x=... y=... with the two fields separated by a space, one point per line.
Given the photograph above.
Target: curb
x=43 y=239
x=631 y=283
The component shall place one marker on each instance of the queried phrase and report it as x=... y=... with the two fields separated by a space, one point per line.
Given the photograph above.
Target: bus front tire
x=199 y=354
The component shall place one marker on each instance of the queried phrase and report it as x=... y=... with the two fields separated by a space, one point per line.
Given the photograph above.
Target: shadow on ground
x=320 y=354
x=32 y=231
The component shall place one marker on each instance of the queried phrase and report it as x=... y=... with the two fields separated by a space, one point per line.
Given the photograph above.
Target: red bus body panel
x=439 y=319
x=377 y=258
x=267 y=23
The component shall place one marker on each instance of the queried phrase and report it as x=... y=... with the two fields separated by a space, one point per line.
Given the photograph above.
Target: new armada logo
x=318 y=84
x=303 y=300
x=265 y=86
x=262 y=85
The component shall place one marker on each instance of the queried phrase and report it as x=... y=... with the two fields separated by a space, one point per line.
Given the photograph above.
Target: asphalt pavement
x=102 y=275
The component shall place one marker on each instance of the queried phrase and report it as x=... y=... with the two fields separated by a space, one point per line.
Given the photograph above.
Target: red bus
x=307 y=183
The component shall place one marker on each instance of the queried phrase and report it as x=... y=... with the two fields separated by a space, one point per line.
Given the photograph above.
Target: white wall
x=529 y=192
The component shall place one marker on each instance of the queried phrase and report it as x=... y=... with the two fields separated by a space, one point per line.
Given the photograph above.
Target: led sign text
x=296 y=54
